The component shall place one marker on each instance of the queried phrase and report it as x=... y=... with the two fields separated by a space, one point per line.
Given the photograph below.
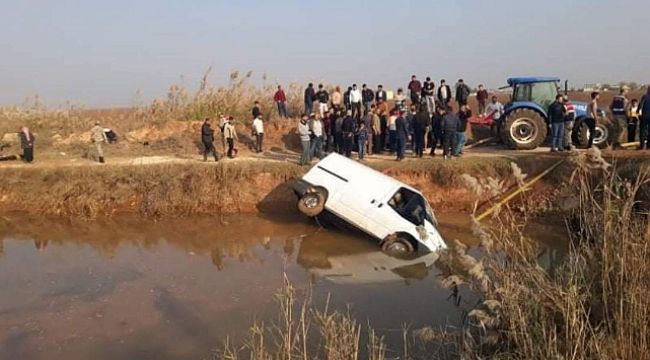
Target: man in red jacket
x=281 y=101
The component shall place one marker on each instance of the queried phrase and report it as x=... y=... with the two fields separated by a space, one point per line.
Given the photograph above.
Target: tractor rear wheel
x=524 y=129
x=601 y=138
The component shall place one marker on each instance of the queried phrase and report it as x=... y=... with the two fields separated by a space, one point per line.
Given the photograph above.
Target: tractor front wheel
x=524 y=129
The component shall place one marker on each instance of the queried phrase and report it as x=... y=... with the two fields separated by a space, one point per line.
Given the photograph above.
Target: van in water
x=395 y=214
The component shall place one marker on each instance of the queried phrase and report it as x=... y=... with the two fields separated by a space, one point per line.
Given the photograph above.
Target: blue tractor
x=526 y=125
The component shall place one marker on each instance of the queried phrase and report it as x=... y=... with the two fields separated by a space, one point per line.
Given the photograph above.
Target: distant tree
x=606 y=86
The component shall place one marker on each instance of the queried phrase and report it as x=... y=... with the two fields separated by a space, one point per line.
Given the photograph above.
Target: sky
x=121 y=53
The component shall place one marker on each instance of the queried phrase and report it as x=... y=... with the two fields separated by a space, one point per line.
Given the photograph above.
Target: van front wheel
x=312 y=203
x=397 y=245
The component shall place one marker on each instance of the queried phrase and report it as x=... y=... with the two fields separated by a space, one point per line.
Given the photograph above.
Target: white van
x=397 y=215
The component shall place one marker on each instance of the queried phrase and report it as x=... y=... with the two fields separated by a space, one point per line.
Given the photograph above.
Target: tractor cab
x=537 y=91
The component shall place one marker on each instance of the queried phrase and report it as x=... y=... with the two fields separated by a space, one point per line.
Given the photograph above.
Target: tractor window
x=521 y=92
x=544 y=93
x=411 y=206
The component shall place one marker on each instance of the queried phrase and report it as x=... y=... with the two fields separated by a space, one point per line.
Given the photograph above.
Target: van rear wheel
x=397 y=245
x=312 y=203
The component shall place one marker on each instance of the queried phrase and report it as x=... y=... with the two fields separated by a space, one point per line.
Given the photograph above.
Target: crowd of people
x=360 y=120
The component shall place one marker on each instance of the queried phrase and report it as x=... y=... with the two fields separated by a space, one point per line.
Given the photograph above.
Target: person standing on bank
x=316 y=128
x=258 y=131
x=402 y=135
x=415 y=90
x=207 y=138
x=450 y=124
x=230 y=134
x=429 y=94
x=461 y=138
x=556 y=116
x=337 y=99
x=632 y=120
x=256 y=111
x=444 y=93
x=436 y=134
x=368 y=96
x=420 y=124
x=355 y=101
x=348 y=128
x=644 y=121
x=305 y=140
x=380 y=95
x=280 y=99
x=482 y=97
x=98 y=137
x=376 y=131
x=592 y=117
x=462 y=93
x=323 y=98
x=309 y=97
x=27 y=144
x=362 y=139
x=619 y=108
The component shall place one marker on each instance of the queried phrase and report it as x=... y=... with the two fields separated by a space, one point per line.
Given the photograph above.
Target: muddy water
x=130 y=289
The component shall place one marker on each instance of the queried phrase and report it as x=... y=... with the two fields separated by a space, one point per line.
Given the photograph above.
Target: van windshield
x=411 y=206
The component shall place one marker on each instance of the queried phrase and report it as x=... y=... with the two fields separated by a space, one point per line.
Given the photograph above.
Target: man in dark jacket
x=323 y=98
x=556 y=115
x=644 y=121
x=256 y=111
x=367 y=96
x=348 y=129
x=402 y=136
x=381 y=95
x=207 y=138
x=346 y=99
x=420 y=124
x=415 y=88
x=482 y=97
x=463 y=116
x=444 y=93
x=450 y=123
x=435 y=136
x=309 y=97
x=462 y=93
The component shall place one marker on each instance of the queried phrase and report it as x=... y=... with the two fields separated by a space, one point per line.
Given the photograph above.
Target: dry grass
x=168 y=190
x=592 y=305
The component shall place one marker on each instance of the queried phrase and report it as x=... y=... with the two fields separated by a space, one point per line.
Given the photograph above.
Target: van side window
x=410 y=206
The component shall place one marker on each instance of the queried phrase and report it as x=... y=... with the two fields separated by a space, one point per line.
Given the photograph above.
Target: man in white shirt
x=495 y=109
x=258 y=131
x=355 y=101
x=316 y=128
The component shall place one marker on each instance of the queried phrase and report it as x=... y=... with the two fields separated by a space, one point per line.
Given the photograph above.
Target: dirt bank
x=176 y=189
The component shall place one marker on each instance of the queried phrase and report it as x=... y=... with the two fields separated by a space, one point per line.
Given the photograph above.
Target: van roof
x=349 y=168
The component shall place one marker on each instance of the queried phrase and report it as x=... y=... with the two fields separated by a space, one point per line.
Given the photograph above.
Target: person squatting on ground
x=98 y=137
x=592 y=117
x=305 y=140
x=207 y=138
x=556 y=116
x=420 y=124
x=401 y=135
x=258 y=132
x=323 y=98
x=632 y=120
x=619 y=108
x=461 y=138
x=348 y=129
x=27 y=144
x=280 y=99
x=450 y=123
x=644 y=120
x=362 y=139
x=230 y=134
